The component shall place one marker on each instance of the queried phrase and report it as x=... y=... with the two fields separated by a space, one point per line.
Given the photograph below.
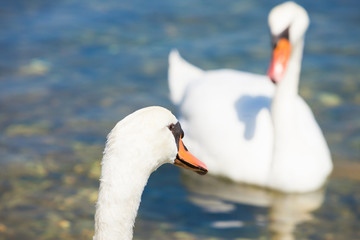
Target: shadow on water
x=285 y=211
x=247 y=109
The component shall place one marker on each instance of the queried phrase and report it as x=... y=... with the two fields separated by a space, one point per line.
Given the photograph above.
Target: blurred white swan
x=136 y=147
x=264 y=131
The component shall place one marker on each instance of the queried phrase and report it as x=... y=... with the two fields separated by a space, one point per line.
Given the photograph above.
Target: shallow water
x=70 y=70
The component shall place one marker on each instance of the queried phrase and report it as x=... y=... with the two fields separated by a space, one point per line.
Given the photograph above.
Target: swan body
x=137 y=146
x=264 y=131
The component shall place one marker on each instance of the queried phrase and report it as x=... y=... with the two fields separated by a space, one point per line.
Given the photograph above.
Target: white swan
x=264 y=131
x=136 y=147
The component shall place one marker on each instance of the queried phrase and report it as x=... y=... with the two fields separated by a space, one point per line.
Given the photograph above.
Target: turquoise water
x=70 y=70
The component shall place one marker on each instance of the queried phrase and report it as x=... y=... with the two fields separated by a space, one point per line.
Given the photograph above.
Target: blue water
x=69 y=70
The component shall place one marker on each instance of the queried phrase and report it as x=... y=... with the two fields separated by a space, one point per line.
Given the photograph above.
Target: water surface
x=70 y=70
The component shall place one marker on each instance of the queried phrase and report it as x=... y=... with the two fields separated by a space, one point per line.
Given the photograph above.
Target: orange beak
x=186 y=160
x=280 y=58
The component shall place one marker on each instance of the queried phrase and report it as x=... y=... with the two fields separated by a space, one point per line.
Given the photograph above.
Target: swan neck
x=283 y=108
x=121 y=185
x=290 y=83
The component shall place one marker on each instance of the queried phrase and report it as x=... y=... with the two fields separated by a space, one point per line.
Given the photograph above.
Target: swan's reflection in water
x=286 y=211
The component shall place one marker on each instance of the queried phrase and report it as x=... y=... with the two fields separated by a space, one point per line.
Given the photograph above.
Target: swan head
x=151 y=137
x=288 y=23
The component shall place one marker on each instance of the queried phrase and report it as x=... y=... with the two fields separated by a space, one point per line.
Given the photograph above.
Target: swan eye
x=171 y=127
x=176 y=130
x=284 y=34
